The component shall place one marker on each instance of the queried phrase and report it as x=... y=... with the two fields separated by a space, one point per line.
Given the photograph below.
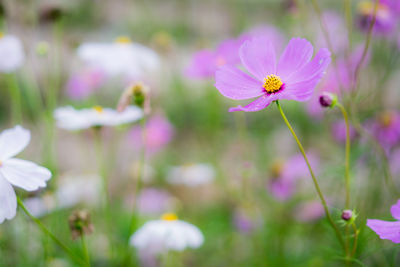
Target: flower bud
x=327 y=100
x=137 y=93
x=347 y=215
x=80 y=224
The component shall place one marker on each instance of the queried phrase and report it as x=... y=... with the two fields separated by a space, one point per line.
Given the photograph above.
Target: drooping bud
x=347 y=215
x=328 y=100
x=80 y=224
x=136 y=93
x=50 y=13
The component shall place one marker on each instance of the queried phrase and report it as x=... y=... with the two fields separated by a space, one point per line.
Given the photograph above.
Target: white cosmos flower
x=121 y=57
x=11 y=53
x=75 y=189
x=169 y=233
x=191 y=175
x=21 y=173
x=72 y=119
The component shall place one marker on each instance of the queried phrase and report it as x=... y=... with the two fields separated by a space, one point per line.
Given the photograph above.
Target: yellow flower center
x=99 y=109
x=386 y=118
x=272 y=83
x=169 y=217
x=1 y=35
x=1 y=163
x=123 y=40
x=276 y=168
x=367 y=7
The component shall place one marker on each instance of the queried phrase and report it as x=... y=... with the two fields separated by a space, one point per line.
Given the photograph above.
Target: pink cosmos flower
x=285 y=175
x=386 y=129
x=159 y=133
x=385 y=16
x=338 y=131
x=388 y=229
x=293 y=77
x=205 y=62
x=154 y=201
x=309 y=211
x=83 y=84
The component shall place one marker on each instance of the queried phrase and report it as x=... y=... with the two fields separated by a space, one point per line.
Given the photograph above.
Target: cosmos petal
x=296 y=55
x=13 y=141
x=8 y=200
x=258 y=57
x=257 y=104
x=395 y=210
x=386 y=229
x=25 y=174
x=235 y=84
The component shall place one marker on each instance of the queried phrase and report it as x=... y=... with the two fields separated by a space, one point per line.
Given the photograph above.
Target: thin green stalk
x=316 y=185
x=353 y=252
x=139 y=178
x=51 y=235
x=366 y=47
x=349 y=21
x=101 y=165
x=347 y=154
x=85 y=249
x=15 y=95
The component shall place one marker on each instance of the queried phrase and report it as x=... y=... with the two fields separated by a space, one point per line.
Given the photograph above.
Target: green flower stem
x=366 y=47
x=140 y=175
x=51 y=235
x=15 y=95
x=101 y=164
x=347 y=154
x=85 y=249
x=316 y=185
x=356 y=232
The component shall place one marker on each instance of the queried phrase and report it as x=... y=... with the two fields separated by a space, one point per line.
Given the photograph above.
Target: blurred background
x=238 y=176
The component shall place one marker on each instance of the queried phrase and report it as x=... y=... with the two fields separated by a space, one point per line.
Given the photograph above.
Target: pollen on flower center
x=386 y=118
x=99 y=109
x=276 y=168
x=169 y=217
x=123 y=40
x=272 y=83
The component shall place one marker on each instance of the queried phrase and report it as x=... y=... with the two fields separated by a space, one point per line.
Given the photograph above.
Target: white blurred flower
x=21 y=173
x=11 y=53
x=120 y=58
x=72 y=119
x=40 y=206
x=75 y=189
x=191 y=175
x=169 y=233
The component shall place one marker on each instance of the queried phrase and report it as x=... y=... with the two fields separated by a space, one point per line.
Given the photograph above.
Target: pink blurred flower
x=83 y=84
x=206 y=62
x=309 y=211
x=159 y=133
x=338 y=130
x=335 y=27
x=152 y=201
x=285 y=176
x=243 y=222
x=386 y=129
x=388 y=229
x=385 y=16
x=394 y=161
x=293 y=77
